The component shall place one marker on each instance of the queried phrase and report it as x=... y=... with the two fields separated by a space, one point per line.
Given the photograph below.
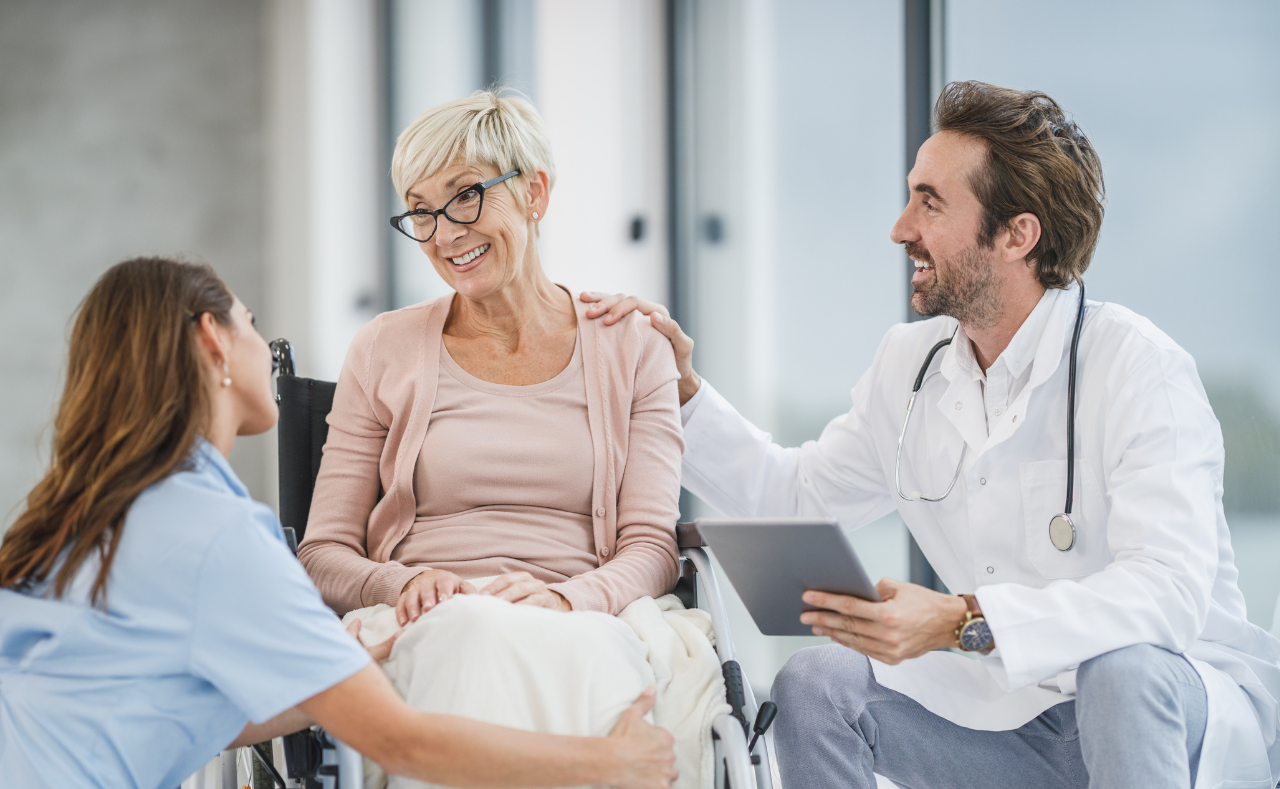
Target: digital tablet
x=772 y=561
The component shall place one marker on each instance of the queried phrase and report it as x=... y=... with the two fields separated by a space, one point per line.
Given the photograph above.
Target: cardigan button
x=600 y=512
x=604 y=551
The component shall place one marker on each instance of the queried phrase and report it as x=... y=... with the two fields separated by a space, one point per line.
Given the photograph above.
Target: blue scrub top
x=210 y=623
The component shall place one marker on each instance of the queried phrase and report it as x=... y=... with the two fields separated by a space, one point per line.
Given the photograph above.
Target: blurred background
x=740 y=160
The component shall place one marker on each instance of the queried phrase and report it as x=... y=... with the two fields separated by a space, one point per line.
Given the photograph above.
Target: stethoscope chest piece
x=1062 y=532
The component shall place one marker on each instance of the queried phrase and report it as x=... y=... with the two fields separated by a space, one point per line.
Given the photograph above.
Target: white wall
x=600 y=75
x=126 y=128
x=325 y=175
x=346 y=177
x=436 y=57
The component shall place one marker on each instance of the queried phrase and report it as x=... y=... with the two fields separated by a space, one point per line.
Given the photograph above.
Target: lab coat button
x=999 y=411
x=600 y=512
x=959 y=406
x=982 y=481
x=990 y=569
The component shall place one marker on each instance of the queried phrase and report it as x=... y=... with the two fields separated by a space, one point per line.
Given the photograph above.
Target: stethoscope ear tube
x=906 y=420
x=928 y=360
x=1062 y=531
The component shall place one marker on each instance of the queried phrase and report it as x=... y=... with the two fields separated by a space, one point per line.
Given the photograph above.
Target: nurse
x=150 y=613
x=1109 y=651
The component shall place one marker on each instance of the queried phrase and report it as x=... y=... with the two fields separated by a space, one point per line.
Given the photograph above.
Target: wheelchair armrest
x=688 y=536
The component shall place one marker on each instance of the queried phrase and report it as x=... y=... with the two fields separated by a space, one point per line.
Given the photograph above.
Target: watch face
x=976 y=635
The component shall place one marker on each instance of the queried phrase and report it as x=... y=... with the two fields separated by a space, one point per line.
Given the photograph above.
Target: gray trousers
x=1138 y=721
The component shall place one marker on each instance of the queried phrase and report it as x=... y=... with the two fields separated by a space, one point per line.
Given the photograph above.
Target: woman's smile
x=471 y=259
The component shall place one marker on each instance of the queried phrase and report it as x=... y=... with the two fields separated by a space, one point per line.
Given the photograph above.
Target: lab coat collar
x=1045 y=330
x=1031 y=344
x=1059 y=320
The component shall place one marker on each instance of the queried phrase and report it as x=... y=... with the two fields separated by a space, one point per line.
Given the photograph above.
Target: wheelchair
x=315 y=760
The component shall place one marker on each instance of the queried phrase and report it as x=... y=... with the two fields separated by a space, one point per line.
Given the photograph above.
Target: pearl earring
x=226 y=381
x=535 y=214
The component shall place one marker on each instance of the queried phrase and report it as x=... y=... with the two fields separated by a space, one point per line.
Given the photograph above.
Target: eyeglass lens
x=462 y=209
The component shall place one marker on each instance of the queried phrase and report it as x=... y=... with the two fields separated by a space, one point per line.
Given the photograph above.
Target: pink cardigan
x=364 y=502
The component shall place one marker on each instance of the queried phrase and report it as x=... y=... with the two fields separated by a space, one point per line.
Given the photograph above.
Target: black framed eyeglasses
x=463 y=209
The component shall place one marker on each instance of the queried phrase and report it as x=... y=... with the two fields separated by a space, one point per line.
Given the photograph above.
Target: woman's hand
x=524 y=589
x=612 y=308
x=646 y=751
x=427 y=590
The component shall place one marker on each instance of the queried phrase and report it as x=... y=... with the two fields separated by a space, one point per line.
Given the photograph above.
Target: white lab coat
x=1152 y=562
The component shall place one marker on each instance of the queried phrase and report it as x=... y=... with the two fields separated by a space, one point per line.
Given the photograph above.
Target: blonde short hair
x=495 y=127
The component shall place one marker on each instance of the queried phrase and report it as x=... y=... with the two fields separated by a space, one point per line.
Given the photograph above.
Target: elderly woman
x=495 y=431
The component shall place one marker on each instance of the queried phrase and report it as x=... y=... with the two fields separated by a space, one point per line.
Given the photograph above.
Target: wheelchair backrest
x=304 y=405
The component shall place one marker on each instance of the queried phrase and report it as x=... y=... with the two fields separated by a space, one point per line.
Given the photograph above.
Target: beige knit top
x=370 y=498
x=471 y=518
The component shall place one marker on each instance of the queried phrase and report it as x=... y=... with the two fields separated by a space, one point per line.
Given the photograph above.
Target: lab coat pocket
x=1044 y=491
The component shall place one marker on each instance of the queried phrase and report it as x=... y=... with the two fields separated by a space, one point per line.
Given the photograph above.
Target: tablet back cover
x=772 y=561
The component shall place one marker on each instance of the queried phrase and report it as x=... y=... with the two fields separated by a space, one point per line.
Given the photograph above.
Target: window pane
x=798 y=140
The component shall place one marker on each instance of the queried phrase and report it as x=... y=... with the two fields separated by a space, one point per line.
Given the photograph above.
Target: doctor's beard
x=968 y=292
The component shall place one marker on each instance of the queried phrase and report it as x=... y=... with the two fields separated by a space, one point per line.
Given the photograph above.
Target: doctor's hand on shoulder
x=612 y=308
x=910 y=621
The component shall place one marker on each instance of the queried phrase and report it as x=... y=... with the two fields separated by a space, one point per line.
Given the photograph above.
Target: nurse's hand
x=427 y=590
x=523 y=589
x=380 y=651
x=910 y=621
x=614 y=307
x=646 y=751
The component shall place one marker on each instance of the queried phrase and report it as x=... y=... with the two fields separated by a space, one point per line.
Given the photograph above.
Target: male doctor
x=1107 y=648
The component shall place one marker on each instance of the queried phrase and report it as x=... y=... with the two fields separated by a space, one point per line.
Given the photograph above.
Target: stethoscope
x=1062 y=530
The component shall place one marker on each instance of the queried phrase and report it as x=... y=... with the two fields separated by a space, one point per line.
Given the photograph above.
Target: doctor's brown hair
x=134 y=403
x=1038 y=162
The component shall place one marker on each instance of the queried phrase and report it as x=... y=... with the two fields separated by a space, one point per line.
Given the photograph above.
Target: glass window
x=798 y=177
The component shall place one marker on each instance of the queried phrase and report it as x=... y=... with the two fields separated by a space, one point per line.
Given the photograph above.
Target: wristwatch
x=973 y=634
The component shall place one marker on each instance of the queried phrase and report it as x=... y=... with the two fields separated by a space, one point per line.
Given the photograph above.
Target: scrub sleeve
x=262 y=635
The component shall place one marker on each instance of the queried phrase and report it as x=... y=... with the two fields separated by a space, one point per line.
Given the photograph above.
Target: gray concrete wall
x=126 y=127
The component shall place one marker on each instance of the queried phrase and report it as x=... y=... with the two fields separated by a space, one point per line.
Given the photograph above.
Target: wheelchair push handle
x=282 y=358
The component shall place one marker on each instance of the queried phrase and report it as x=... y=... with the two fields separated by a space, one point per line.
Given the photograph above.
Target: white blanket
x=561 y=673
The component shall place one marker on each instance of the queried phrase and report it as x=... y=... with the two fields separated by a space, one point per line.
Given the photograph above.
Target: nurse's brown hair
x=134 y=403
